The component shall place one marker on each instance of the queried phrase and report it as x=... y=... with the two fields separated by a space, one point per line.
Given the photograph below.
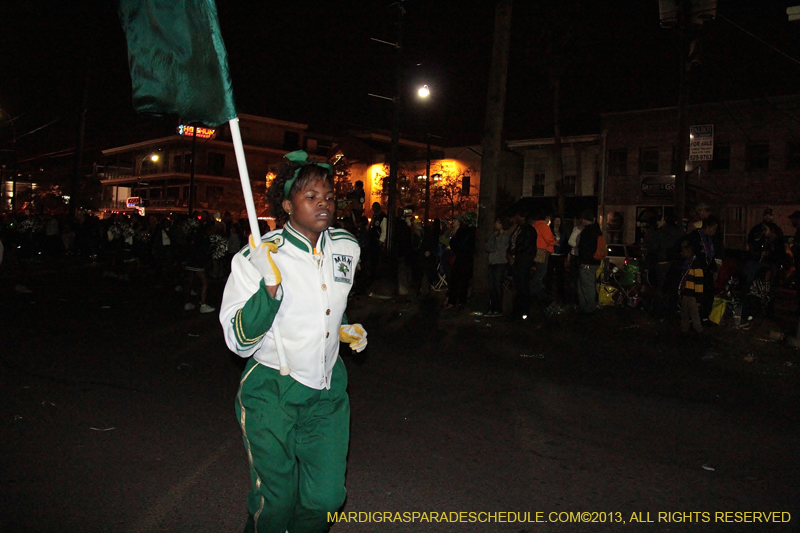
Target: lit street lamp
x=424 y=93
x=151 y=157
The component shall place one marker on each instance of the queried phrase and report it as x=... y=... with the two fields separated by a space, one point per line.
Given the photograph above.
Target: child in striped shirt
x=691 y=288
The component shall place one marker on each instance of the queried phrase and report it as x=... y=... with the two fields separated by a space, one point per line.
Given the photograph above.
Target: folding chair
x=440 y=283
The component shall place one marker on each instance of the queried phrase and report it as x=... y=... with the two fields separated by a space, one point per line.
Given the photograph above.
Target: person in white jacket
x=284 y=307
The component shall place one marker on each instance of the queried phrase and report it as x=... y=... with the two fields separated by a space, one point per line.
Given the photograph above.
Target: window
x=173 y=192
x=570 y=184
x=570 y=173
x=618 y=161
x=291 y=140
x=722 y=157
x=648 y=160
x=793 y=156
x=182 y=163
x=758 y=156
x=214 y=194
x=569 y=164
x=538 y=184
x=465 y=185
x=216 y=164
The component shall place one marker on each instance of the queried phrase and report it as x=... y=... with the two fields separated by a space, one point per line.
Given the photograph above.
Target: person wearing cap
x=756 y=239
x=765 y=242
x=701 y=212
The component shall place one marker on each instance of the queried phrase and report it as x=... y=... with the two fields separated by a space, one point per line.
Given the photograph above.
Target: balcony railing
x=157 y=203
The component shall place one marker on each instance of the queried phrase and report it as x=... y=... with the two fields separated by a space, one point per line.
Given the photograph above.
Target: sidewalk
x=761 y=350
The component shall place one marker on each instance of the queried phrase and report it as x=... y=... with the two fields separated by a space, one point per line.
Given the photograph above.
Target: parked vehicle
x=621 y=254
x=625 y=277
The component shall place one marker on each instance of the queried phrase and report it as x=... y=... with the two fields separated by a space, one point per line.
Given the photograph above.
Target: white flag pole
x=252 y=217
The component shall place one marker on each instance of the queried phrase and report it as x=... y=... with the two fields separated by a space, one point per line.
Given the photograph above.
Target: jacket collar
x=301 y=241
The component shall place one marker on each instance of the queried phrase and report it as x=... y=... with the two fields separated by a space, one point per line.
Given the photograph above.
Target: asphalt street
x=118 y=415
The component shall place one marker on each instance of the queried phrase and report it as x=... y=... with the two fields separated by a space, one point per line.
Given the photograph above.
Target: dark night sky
x=314 y=63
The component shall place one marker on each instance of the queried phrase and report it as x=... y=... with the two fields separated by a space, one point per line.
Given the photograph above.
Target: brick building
x=755 y=164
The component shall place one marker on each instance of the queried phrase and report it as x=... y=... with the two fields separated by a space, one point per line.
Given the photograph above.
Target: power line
x=58 y=153
x=39 y=128
x=757 y=38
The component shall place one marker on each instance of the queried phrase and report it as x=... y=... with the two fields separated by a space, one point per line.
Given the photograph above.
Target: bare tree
x=448 y=194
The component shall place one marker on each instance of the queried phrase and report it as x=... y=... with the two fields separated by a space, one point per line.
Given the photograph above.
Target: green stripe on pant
x=296 y=440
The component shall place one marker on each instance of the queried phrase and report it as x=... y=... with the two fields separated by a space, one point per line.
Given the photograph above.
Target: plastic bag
x=607 y=295
x=717 y=310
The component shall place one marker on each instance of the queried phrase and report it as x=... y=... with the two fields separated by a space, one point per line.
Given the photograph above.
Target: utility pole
x=394 y=161
x=682 y=119
x=428 y=177
x=428 y=180
x=492 y=137
x=13 y=172
x=190 y=200
x=396 y=100
x=75 y=186
x=686 y=16
x=560 y=202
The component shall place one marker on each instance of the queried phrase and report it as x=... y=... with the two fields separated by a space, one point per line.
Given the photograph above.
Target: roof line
x=551 y=140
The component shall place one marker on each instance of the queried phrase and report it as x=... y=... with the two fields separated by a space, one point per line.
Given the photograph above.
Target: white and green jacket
x=308 y=308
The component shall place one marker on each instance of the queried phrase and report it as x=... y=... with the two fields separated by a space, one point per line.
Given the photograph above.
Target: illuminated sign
x=133 y=201
x=658 y=185
x=202 y=133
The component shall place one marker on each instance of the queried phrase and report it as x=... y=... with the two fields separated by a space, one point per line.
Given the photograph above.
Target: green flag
x=177 y=59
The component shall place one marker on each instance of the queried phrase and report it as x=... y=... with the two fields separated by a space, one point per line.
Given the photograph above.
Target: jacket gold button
x=328 y=311
x=324 y=287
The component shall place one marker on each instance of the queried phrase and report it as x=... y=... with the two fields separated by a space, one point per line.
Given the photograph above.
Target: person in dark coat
x=587 y=264
x=663 y=252
x=521 y=253
x=462 y=245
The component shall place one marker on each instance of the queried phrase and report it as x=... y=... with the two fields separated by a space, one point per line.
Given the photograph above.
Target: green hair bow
x=300 y=157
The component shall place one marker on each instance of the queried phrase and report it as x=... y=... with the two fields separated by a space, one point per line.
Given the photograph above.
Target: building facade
x=581 y=162
x=157 y=174
x=743 y=156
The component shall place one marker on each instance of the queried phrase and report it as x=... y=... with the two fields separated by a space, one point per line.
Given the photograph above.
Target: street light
x=424 y=92
x=151 y=157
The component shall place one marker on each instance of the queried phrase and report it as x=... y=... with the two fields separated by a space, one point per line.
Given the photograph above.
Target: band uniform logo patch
x=343 y=268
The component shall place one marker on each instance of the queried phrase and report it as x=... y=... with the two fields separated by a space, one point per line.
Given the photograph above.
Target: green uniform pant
x=296 y=440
